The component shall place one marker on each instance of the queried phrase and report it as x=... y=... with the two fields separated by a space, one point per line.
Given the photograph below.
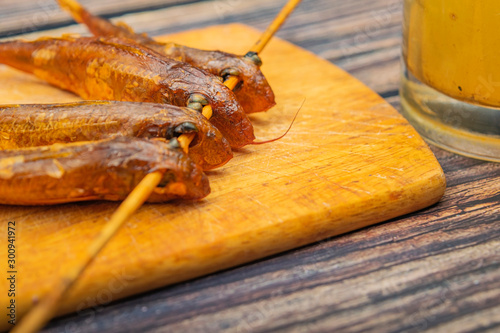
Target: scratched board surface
x=350 y=160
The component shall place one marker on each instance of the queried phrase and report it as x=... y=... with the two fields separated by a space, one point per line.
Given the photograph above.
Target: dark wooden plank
x=18 y=17
x=435 y=269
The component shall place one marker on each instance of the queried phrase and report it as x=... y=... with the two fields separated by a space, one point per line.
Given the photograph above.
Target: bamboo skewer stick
x=231 y=82
x=274 y=26
x=185 y=141
x=278 y=21
x=42 y=312
x=46 y=309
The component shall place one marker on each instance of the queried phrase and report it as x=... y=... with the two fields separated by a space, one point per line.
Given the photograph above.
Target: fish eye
x=254 y=57
x=197 y=102
x=230 y=71
x=186 y=127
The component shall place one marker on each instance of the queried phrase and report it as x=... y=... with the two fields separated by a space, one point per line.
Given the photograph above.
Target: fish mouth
x=230 y=119
x=255 y=93
x=210 y=150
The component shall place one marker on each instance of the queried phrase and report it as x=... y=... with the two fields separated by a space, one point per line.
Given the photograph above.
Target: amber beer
x=451 y=84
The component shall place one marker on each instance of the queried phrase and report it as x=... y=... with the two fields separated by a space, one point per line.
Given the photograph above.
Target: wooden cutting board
x=349 y=161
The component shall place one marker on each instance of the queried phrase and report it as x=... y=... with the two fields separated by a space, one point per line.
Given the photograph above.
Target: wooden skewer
x=43 y=311
x=278 y=21
x=231 y=82
x=207 y=111
x=275 y=25
x=185 y=141
x=46 y=309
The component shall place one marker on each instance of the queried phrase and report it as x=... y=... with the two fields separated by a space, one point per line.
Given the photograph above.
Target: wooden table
x=435 y=269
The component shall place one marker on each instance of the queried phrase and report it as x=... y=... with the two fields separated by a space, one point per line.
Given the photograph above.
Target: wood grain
x=437 y=269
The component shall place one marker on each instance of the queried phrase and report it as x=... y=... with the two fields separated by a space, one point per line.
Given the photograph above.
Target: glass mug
x=450 y=89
